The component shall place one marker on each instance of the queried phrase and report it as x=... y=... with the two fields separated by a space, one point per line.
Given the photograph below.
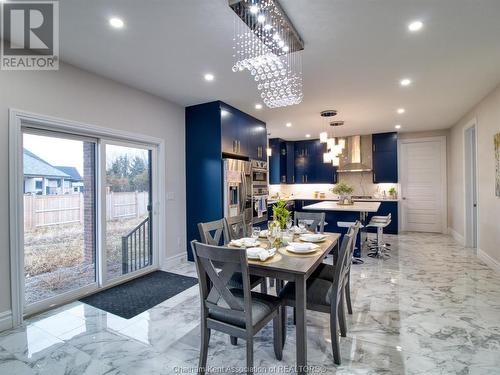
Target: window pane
x=59 y=215
x=128 y=222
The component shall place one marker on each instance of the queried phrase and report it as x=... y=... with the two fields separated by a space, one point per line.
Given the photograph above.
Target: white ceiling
x=355 y=53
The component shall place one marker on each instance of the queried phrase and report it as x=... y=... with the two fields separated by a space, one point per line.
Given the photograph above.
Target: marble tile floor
x=432 y=308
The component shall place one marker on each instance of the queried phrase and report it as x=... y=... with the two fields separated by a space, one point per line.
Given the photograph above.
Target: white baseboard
x=490 y=262
x=5 y=320
x=174 y=261
x=458 y=237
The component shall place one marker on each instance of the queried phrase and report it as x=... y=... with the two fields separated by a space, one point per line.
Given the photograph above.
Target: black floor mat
x=138 y=295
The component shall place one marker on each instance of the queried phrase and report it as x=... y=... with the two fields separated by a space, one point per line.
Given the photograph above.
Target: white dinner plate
x=302 y=251
x=312 y=238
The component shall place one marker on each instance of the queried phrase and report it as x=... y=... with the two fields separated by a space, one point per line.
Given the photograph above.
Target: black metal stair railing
x=136 y=248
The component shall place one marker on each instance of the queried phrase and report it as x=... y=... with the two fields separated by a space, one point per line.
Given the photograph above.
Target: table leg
x=301 y=328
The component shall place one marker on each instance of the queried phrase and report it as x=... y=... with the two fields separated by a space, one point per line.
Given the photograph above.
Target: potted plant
x=392 y=192
x=344 y=192
x=281 y=213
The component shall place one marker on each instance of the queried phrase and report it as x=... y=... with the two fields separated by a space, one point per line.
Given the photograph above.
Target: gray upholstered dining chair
x=236 y=312
x=327 y=271
x=312 y=220
x=327 y=296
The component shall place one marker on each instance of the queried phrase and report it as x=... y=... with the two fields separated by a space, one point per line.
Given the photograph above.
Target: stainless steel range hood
x=357 y=154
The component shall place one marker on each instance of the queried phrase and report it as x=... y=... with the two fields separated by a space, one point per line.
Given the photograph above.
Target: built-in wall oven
x=260 y=191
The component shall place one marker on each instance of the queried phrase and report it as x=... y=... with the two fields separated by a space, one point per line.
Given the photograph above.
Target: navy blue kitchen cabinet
x=290 y=162
x=214 y=130
x=242 y=134
x=275 y=166
x=309 y=166
x=281 y=162
x=385 y=158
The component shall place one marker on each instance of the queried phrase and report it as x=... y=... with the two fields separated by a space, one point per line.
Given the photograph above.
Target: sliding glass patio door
x=59 y=201
x=128 y=223
x=87 y=214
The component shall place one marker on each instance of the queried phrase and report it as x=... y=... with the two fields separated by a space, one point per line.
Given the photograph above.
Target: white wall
x=487 y=114
x=77 y=95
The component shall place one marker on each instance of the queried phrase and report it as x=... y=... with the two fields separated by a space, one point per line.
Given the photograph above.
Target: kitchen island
x=361 y=207
x=346 y=213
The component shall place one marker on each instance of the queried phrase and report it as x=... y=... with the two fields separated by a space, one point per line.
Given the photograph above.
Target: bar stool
x=379 y=249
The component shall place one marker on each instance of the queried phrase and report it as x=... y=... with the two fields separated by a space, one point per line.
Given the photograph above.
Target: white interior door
x=423 y=185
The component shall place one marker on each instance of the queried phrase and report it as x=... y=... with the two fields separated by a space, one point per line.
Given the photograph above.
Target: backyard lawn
x=54 y=259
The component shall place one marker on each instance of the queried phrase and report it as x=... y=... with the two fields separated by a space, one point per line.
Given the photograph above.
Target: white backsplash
x=362 y=182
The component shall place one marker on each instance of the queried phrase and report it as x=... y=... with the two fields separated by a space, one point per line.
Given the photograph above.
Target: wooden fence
x=45 y=210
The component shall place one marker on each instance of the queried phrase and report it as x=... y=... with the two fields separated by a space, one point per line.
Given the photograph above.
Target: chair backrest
x=350 y=253
x=340 y=266
x=213 y=233
x=314 y=219
x=214 y=283
x=236 y=227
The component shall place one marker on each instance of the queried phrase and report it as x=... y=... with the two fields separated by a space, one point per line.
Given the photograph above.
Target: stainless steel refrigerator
x=237 y=188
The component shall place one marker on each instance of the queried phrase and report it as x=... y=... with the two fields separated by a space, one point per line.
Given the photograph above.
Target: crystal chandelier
x=267 y=45
x=334 y=146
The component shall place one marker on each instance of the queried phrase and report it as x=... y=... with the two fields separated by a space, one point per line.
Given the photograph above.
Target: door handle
x=404 y=198
x=306 y=178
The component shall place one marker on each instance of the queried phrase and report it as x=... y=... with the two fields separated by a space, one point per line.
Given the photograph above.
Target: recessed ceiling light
x=401 y=111
x=209 y=77
x=398 y=126
x=415 y=26
x=288 y=124
x=261 y=18
x=258 y=106
x=254 y=9
x=308 y=135
x=116 y=22
x=405 y=82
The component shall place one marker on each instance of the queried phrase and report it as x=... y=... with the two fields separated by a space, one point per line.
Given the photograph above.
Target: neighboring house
x=42 y=178
x=73 y=184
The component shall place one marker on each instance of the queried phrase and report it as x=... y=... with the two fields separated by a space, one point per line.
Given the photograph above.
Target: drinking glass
x=289 y=223
x=287 y=237
x=255 y=233
x=271 y=237
x=302 y=225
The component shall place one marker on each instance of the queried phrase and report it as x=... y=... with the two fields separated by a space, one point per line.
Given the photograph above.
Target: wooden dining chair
x=327 y=271
x=236 y=227
x=312 y=220
x=236 y=312
x=326 y=296
x=215 y=233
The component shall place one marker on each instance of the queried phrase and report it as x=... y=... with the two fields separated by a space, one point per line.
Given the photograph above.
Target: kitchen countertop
x=333 y=206
x=300 y=198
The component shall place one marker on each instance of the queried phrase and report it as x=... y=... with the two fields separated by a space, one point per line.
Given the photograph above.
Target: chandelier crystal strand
x=266 y=46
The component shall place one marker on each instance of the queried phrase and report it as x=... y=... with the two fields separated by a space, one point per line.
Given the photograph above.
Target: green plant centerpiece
x=344 y=192
x=281 y=213
x=392 y=192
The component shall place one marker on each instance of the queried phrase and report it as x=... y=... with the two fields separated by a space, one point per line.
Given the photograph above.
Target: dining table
x=297 y=268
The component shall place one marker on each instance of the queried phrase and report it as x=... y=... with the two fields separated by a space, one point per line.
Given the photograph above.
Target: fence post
x=136 y=204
